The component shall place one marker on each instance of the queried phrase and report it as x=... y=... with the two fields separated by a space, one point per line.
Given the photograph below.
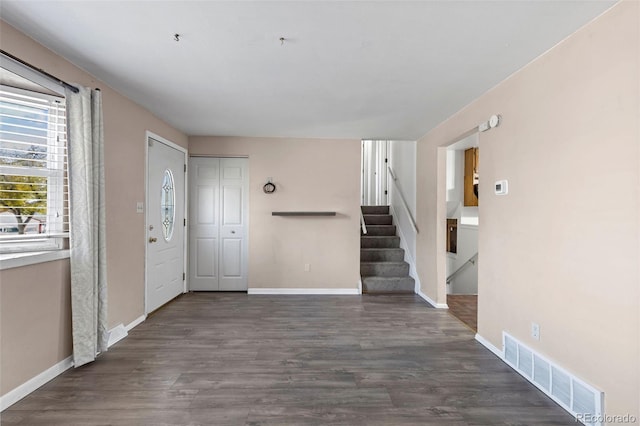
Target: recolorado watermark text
x=606 y=418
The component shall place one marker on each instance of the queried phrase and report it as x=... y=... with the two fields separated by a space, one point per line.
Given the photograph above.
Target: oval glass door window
x=167 y=205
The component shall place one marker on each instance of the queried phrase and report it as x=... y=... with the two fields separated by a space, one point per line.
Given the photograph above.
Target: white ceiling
x=347 y=69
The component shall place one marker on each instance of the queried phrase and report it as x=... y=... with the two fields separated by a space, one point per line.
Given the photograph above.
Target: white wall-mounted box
x=501 y=187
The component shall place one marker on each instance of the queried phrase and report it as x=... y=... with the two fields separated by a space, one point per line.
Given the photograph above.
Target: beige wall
x=125 y=125
x=35 y=321
x=562 y=249
x=310 y=174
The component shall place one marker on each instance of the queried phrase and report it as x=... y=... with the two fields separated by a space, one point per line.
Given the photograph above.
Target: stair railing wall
x=402 y=200
x=471 y=260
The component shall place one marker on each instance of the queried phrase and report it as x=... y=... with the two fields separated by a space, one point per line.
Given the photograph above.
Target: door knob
x=152 y=239
x=233 y=232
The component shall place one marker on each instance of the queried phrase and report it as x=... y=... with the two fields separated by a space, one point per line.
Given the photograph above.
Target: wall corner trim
x=309 y=291
x=431 y=301
x=484 y=342
x=119 y=332
x=31 y=385
x=116 y=334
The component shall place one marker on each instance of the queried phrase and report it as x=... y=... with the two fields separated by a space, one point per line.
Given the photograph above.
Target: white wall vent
x=561 y=386
x=525 y=361
x=510 y=351
x=583 y=401
x=542 y=373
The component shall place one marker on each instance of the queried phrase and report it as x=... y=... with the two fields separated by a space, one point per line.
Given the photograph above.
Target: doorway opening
x=462 y=198
x=388 y=227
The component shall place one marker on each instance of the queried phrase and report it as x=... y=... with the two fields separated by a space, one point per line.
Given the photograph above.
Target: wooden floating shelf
x=303 y=213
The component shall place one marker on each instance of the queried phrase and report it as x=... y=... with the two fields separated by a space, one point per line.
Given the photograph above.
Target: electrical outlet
x=139 y=207
x=535 y=331
x=307 y=267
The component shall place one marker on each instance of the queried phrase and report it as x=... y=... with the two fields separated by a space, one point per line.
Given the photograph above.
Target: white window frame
x=53 y=245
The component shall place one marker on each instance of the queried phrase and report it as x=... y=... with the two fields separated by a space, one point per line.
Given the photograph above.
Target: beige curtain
x=87 y=229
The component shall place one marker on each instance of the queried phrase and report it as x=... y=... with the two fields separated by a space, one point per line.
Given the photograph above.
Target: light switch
x=501 y=187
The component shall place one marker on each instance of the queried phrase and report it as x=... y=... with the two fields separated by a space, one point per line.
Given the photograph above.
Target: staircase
x=382 y=265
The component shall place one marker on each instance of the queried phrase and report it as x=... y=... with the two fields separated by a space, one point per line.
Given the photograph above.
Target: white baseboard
x=360 y=286
x=431 y=301
x=15 y=395
x=484 y=342
x=136 y=322
x=116 y=334
x=323 y=291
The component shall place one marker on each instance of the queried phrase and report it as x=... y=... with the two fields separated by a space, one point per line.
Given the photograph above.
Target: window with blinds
x=34 y=201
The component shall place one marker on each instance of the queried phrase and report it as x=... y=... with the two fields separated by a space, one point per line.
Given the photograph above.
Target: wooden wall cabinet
x=470 y=176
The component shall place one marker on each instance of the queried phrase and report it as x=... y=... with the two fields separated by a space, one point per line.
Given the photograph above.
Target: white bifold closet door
x=218 y=213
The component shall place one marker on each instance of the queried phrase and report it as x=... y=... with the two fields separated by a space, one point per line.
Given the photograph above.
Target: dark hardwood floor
x=465 y=308
x=234 y=359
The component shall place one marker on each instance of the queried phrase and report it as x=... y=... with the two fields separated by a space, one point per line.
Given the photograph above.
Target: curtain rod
x=44 y=73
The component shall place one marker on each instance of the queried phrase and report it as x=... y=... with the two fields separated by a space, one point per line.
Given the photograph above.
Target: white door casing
x=218 y=248
x=165 y=215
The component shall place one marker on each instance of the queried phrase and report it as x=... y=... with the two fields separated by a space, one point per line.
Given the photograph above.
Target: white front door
x=165 y=223
x=218 y=224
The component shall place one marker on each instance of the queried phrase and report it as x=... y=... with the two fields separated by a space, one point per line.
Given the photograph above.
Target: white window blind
x=34 y=197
